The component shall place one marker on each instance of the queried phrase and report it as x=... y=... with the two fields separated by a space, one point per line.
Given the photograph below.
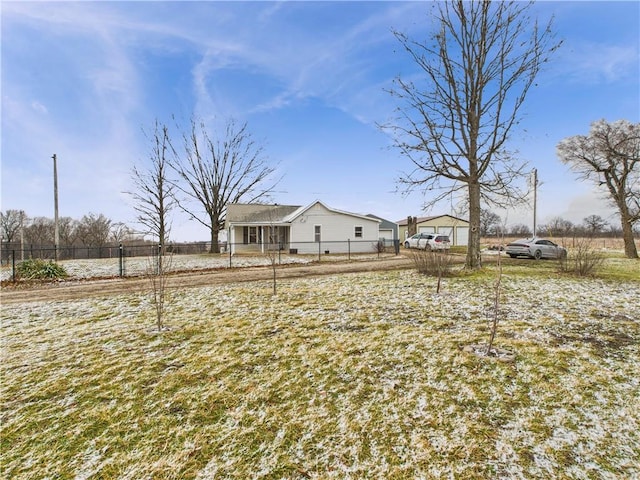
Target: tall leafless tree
x=40 y=231
x=594 y=224
x=489 y=222
x=120 y=232
x=67 y=230
x=456 y=116
x=609 y=156
x=11 y=222
x=154 y=195
x=520 y=229
x=557 y=227
x=93 y=230
x=217 y=172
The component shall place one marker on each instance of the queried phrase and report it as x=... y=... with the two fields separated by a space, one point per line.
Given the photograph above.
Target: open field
x=357 y=375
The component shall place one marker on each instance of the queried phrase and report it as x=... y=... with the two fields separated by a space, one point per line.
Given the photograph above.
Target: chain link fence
x=135 y=260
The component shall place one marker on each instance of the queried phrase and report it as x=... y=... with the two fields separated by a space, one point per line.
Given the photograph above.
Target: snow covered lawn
x=347 y=377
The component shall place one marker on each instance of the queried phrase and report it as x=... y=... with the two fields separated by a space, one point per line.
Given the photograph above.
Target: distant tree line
x=92 y=230
x=591 y=226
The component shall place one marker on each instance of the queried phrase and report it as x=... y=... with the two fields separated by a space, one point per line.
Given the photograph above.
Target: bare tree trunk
x=473 y=260
x=215 y=246
x=157 y=273
x=630 y=250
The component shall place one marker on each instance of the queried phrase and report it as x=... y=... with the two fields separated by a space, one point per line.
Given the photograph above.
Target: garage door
x=463 y=236
x=386 y=236
x=446 y=231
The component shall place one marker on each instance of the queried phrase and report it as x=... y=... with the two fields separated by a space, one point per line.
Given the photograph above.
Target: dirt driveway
x=70 y=290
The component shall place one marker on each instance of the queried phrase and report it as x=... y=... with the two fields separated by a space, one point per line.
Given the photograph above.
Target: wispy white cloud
x=39 y=107
x=597 y=63
x=80 y=79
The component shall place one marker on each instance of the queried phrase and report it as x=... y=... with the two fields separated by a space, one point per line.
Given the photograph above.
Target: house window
x=358 y=232
x=276 y=235
x=316 y=230
x=251 y=235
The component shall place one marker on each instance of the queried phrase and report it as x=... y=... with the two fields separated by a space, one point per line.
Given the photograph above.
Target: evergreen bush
x=37 y=269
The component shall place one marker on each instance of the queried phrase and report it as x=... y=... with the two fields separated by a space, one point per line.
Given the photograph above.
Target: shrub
x=37 y=269
x=432 y=263
x=379 y=247
x=582 y=260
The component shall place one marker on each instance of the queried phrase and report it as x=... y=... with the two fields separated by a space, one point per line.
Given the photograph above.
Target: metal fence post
x=121 y=259
x=319 y=250
x=348 y=249
x=13 y=266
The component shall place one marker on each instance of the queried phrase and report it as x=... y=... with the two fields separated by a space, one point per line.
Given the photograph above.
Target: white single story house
x=299 y=229
x=456 y=228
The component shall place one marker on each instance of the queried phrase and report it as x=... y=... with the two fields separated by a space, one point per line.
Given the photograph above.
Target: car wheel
x=512 y=255
x=427 y=247
x=537 y=254
x=406 y=244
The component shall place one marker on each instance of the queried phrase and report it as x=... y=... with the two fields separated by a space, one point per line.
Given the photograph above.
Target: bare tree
x=609 y=156
x=489 y=222
x=557 y=227
x=594 y=224
x=454 y=127
x=67 y=230
x=40 y=231
x=497 y=293
x=218 y=172
x=273 y=238
x=155 y=199
x=158 y=270
x=93 y=230
x=11 y=222
x=120 y=232
x=520 y=229
x=155 y=193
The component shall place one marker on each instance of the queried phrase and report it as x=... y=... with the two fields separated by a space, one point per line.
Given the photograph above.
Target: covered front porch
x=252 y=238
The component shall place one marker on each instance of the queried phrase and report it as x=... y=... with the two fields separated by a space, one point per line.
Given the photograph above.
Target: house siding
x=337 y=231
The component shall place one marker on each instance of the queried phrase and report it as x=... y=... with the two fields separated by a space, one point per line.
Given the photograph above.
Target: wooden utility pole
x=55 y=207
x=22 y=235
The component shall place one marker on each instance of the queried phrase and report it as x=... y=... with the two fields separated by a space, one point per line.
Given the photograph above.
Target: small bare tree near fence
x=158 y=269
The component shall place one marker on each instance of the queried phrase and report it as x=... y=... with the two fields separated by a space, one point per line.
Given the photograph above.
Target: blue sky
x=82 y=79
